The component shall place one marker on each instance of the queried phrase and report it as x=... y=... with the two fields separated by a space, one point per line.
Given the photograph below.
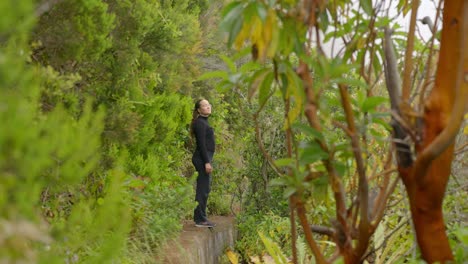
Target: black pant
x=203 y=188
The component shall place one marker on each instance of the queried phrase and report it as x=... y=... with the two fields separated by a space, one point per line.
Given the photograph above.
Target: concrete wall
x=197 y=245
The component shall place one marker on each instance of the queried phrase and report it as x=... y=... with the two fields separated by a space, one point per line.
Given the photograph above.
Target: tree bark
x=427 y=178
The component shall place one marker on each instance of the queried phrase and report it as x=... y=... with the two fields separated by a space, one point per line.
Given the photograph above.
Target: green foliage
x=44 y=158
x=274 y=250
x=74 y=31
x=92 y=153
x=250 y=226
x=156 y=214
x=95 y=106
x=275 y=35
x=96 y=230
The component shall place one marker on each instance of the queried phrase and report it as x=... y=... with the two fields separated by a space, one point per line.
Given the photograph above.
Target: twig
x=461 y=149
x=291 y=198
x=429 y=58
x=323 y=230
x=292 y=219
x=265 y=153
x=385 y=172
x=363 y=187
x=308 y=233
x=402 y=123
x=409 y=54
x=394 y=230
x=379 y=212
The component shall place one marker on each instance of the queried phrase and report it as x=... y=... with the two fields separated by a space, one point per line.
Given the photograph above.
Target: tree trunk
x=427 y=178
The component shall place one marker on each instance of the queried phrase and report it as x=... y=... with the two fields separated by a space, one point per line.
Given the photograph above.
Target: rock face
x=198 y=245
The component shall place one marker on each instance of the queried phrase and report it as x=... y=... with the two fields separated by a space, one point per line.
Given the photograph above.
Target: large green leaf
x=265 y=88
x=214 y=74
x=232 y=20
x=255 y=81
x=229 y=62
x=312 y=153
x=371 y=103
x=367 y=6
x=308 y=130
x=284 y=162
x=274 y=250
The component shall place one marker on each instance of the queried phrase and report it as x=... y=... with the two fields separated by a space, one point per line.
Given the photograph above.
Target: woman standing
x=202 y=159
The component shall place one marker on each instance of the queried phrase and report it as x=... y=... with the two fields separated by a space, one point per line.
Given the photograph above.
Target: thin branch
x=319 y=258
x=461 y=149
x=363 y=187
x=312 y=118
x=384 y=173
x=319 y=45
x=387 y=237
x=372 y=36
x=334 y=256
x=335 y=21
x=343 y=127
x=429 y=59
x=369 y=39
x=379 y=212
x=404 y=124
x=323 y=230
x=380 y=200
x=392 y=79
x=291 y=198
x=265 y=153
x=292 y=219
x=371 y=60
x=409 y=54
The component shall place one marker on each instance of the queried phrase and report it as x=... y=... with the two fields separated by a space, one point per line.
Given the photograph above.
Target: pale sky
x=426 y=8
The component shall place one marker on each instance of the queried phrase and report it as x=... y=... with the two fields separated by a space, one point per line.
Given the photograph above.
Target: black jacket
x=204 y=136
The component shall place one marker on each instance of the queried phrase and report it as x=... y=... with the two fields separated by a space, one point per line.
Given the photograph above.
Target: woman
x=202 y=159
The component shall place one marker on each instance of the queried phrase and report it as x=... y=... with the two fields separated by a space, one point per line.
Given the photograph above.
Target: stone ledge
x=199 y=245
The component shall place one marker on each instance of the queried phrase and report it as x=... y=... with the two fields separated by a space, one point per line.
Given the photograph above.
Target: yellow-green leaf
x=367 y=6
x=232 y=257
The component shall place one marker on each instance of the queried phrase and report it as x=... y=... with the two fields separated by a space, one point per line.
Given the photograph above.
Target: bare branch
x=323 y=230
x=461 y=149
x=409 y=54
x=292 y=220
x=319 y=258
x=392 y=79
x=404 y=124
x=429 y=59
x=381 y=200
x=380 y=206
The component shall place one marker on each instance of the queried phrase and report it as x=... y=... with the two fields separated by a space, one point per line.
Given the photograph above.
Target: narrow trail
x=198 y=245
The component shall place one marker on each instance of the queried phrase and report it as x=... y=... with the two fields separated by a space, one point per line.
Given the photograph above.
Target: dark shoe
x=205 y=224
